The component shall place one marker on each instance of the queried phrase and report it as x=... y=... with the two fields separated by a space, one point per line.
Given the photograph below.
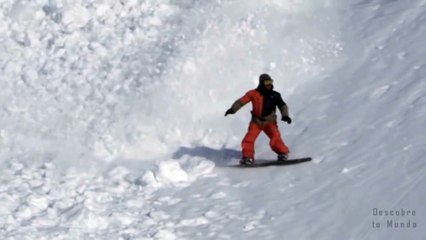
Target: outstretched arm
x=282 y=106
x=238 y=104
x=284 y=110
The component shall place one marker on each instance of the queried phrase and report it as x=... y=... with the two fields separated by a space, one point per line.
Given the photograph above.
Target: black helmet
x=264 y=77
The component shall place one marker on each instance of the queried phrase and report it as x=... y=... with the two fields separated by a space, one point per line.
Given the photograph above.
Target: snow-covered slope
x=112 y=127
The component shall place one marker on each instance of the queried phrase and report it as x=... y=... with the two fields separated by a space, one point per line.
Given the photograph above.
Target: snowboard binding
x=282 y=157
x=247 y=161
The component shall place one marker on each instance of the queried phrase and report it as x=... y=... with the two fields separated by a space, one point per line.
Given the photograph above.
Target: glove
x=286 y=119
x=229 y=111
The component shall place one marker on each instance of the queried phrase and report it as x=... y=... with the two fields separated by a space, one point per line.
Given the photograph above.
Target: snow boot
x=247 y=161
x=282 y=157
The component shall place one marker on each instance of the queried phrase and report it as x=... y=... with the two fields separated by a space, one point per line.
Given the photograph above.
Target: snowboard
x=267 y=163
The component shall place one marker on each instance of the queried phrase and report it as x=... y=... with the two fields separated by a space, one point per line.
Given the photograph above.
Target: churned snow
x=112 y=127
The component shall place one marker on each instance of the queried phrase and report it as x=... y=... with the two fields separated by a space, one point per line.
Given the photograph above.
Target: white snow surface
x=112 y=127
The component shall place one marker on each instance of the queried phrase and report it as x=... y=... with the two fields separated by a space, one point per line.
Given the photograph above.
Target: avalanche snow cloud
x=112 y=127
x=103 y=79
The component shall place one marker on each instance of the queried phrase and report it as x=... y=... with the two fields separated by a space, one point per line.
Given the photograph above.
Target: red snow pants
x=271 y=130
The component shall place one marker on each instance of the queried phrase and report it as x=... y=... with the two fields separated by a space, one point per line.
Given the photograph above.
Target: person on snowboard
x=264 y=102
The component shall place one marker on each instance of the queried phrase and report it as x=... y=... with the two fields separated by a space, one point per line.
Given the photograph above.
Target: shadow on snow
x=221 y=157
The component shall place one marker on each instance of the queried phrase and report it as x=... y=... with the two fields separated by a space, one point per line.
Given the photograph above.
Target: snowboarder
x=264 y=102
